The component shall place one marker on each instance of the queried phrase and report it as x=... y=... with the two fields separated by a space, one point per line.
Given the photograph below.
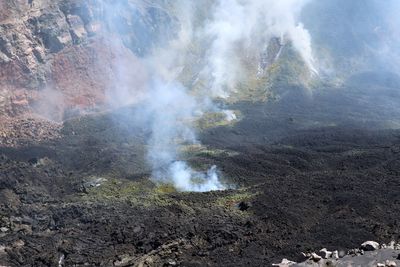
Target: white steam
x=239 y=28
x=231 y=31
x=172 y=110
x=388 y=34
x=186 y=179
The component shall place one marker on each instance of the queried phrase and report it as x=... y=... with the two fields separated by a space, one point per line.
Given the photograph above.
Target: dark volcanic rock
x=309 y=188
x=243 y=206
x=370 y=246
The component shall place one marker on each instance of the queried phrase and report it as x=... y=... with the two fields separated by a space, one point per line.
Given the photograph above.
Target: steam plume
x=239 y=28
x=234 y=30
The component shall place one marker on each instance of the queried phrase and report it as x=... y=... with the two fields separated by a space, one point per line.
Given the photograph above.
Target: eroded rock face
x=60 y=55
x=31 y=34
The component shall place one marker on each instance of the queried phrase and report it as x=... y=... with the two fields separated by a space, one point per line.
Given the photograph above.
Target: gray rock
x=391 y=245
x=61 y=260
x=92 y=182
x=370 y=246
x=125 y=260
x=355 y=252
x=315 y=257
x=4 y=58
x=324 y=253
x=335 y=255
x=390 y=264
x=342 y=253
x=137 y=229
x=284 y=263
x=172 y=263
x=40 y=54
x=78 y=30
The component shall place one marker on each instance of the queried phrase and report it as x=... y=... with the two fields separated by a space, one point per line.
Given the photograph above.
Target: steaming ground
x=170 y=111
x=310 y=170
x=195 y=52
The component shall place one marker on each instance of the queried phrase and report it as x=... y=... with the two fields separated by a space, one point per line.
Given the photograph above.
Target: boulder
x=370 y=246
x=390 y=264
x=78 y=30
x=391 y=245
x=335 y=255
x=315 y=257
x=324 y=253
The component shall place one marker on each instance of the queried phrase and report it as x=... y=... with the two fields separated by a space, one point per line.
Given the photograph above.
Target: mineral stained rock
x=59 y=55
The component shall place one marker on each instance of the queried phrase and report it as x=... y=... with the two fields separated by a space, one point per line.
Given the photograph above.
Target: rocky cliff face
x=59 y=57
x=56 y=55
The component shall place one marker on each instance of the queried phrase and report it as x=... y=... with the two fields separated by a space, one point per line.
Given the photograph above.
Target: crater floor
x=311 y=171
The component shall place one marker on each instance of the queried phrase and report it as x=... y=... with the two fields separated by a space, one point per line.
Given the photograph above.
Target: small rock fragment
x=243 y=206
x=370 y=246
x=137 y=229
x=380 y=265
x=335 y=255
x=390 y=264
x=61 y=260
x=18 y=244
x=124 y=260
x=306 y=256
x=315 y=257
x=355 y=252
x=172 y=263
x=324 y=253
x=342 y=253
x=284 y=263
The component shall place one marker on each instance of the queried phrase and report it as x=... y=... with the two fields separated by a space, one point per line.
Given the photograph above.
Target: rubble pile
x=370 y=253
x=21 y=130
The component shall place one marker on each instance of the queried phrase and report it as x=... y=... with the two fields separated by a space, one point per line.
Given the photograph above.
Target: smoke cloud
x=166 y=106
x=171 y=111
x=211 y=47
x=355 y=36
x=240 y=28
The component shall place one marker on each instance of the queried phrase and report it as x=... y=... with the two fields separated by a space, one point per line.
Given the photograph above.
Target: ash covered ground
x=309 y=170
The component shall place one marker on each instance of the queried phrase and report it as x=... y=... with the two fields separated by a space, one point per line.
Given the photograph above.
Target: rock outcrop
x=60 y=55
